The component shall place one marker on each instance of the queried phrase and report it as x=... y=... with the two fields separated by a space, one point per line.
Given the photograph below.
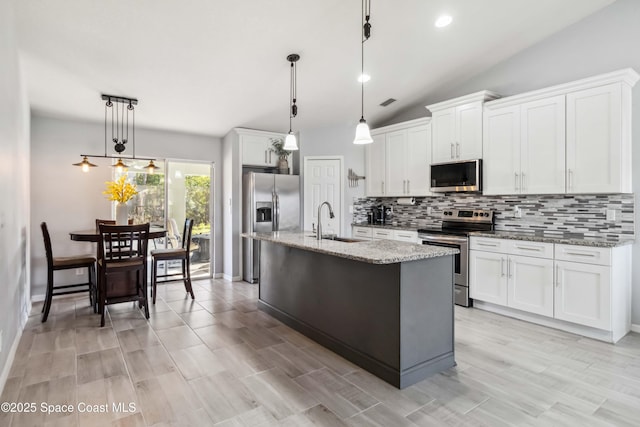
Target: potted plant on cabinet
x=277 y=147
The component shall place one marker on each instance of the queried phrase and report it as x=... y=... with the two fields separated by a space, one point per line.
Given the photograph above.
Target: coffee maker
x=377 y=215
x=387 y=213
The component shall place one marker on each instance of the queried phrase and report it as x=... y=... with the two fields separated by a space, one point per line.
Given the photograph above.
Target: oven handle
x=442 y=239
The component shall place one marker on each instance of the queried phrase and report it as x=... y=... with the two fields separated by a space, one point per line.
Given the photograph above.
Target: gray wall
x=68 y=199
x=603 y=42
x=336 y=140
x=14 y=193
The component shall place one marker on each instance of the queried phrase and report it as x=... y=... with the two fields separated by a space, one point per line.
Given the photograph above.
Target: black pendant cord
x=133 y=130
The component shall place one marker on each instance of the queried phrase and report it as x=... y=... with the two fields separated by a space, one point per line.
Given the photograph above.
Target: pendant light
x=363 y=135
x=290 y=143
x=121 y=108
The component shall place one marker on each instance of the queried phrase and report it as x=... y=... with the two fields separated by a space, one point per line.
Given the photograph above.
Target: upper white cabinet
x=524 y=147
x=375 y=166
x=457 y=127
x=599 y=140
x=256 y=148
x=571 y=138
x=397 y=162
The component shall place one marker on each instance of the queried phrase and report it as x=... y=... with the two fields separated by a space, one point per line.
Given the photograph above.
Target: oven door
x=461 y=262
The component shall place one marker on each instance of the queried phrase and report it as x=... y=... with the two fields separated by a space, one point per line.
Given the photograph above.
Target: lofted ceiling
x=206 y=66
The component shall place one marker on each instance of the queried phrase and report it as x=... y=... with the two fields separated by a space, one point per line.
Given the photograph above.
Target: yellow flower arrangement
x=120 y=190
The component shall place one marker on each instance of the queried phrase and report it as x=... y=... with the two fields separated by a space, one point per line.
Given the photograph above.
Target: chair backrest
x=186 y=234
x=108 y=222
x=47 y=244
x=123 y=243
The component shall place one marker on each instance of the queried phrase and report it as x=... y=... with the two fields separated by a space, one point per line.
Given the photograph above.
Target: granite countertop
x=370 y=251
x=551 y=237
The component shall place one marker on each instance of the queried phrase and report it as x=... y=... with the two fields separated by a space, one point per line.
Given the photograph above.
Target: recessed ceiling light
x=363 y=78
x=443 y=21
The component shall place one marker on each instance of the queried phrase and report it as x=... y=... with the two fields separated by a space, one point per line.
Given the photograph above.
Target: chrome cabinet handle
x=452 y=155
x=526 y=248
x=408 y=186
x=501 y=267
x=581 y=254
x=491 y=245
x=382 y=187
x=269 y=156
x=557 y=276
x=570 y=180
x=517 y=182
x=404 y=186
x=265 y=156
x=523 y=182
x=509 y=272
x=457 y=150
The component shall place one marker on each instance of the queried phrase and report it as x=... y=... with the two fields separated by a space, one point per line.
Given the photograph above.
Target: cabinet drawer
x=488 y=244
x=534 y=249
x=381 y=233
x=364 y=232
x=405 y=236
x=584 y=254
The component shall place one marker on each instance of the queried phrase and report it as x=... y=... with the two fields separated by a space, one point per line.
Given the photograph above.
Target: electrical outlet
x=611 y=215
x=517 y=212
x=79 y=271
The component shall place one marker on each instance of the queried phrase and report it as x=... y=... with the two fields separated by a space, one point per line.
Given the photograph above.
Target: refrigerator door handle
x=274 y=217
x=277 y=212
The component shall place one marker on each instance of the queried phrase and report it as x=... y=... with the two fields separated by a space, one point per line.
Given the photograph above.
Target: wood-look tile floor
x=219 y=361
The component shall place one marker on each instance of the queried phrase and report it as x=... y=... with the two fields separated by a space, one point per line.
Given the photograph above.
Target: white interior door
x=323 y=182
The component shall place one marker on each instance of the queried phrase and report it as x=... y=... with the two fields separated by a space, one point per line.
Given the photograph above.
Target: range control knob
x=475 y=214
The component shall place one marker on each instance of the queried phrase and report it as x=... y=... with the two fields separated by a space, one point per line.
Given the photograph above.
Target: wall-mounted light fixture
x=120 y=108
x=363 y=135
x=290 y=143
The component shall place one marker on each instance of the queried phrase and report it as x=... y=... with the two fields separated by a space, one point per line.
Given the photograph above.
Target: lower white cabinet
x=583 y=294
x=590 y=287
x=364 y=233
x=378 y=233
x=405 y=236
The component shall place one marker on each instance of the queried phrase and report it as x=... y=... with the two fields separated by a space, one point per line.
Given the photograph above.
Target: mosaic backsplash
x=585 y=214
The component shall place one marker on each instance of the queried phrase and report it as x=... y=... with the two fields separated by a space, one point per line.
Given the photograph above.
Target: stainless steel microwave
x=462 y=176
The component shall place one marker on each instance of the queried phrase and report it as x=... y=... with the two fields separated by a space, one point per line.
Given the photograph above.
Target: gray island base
x=385 y=306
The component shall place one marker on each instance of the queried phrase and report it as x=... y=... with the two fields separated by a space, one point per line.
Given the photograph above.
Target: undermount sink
x=338 y=238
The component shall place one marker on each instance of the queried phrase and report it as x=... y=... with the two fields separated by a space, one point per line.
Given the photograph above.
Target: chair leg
x=154 y=277
x=186 y=273
x=101 y=307
x=48 y=297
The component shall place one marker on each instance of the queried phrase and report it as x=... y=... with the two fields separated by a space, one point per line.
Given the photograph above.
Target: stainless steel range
x=454 y=233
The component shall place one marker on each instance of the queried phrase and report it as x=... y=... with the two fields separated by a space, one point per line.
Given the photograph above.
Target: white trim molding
x=635 y=328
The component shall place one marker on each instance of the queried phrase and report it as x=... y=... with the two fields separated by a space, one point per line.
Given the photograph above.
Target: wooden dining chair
x=181 y=254
x=66 y=263
x=122 y=266
x=109 y=222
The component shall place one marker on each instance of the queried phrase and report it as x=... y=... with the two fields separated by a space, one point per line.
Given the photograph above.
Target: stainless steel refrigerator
x=271 y=202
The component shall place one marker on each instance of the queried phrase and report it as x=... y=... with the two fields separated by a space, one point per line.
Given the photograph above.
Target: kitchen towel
x=406 y=201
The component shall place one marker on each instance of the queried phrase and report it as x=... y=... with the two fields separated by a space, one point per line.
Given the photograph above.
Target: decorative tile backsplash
x=585 y=214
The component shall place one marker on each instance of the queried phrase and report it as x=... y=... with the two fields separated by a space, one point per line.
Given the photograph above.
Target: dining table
x=92 y=235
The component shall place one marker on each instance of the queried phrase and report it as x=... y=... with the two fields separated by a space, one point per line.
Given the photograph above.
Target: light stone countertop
x=370 y=251
x=551 y=237
x=390 y=226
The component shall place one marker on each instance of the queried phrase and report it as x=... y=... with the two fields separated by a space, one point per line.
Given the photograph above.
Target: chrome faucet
x=319 y=232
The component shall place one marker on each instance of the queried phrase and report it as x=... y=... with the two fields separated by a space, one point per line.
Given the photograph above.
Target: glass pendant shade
x=363 y=136
x=290 y=143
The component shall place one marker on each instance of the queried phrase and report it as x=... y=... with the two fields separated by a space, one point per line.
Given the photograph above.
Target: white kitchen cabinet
x=457 y=127
x=530 y=284
x=524 y=147
x=599 y=140
x=582 y=289
x=583 y=294
x=405 y=236
x=375 y=166
x=364 y=233
x=488 y=277
x=382 y=234
x=398 y=160
x=256 y=149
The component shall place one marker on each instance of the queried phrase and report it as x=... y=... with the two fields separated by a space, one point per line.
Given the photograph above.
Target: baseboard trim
x=635 y=328
x=12 y=354
x=231 y=278
x=37 y=297
x=218 y=276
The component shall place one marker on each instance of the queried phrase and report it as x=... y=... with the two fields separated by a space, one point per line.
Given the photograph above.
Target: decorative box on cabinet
x=457 y=127
x=397 y=162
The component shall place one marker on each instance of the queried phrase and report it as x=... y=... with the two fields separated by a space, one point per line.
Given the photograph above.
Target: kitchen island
x=386 y=306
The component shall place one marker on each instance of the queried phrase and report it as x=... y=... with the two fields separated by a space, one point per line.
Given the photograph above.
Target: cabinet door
x=405 y=236
x=583 y=294
x=364 y=233
x=418 y=160
x=255 y=151
x=487 y=277
x=375 y=166
x=468 y=131
x=530 y=284
x=542 y=162
x=594 y=140
x=443 y=135
x=382 y=234
x=501 y=152
x=396 y=154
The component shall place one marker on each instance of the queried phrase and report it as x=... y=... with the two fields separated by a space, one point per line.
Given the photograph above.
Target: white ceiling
x=205 y=66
